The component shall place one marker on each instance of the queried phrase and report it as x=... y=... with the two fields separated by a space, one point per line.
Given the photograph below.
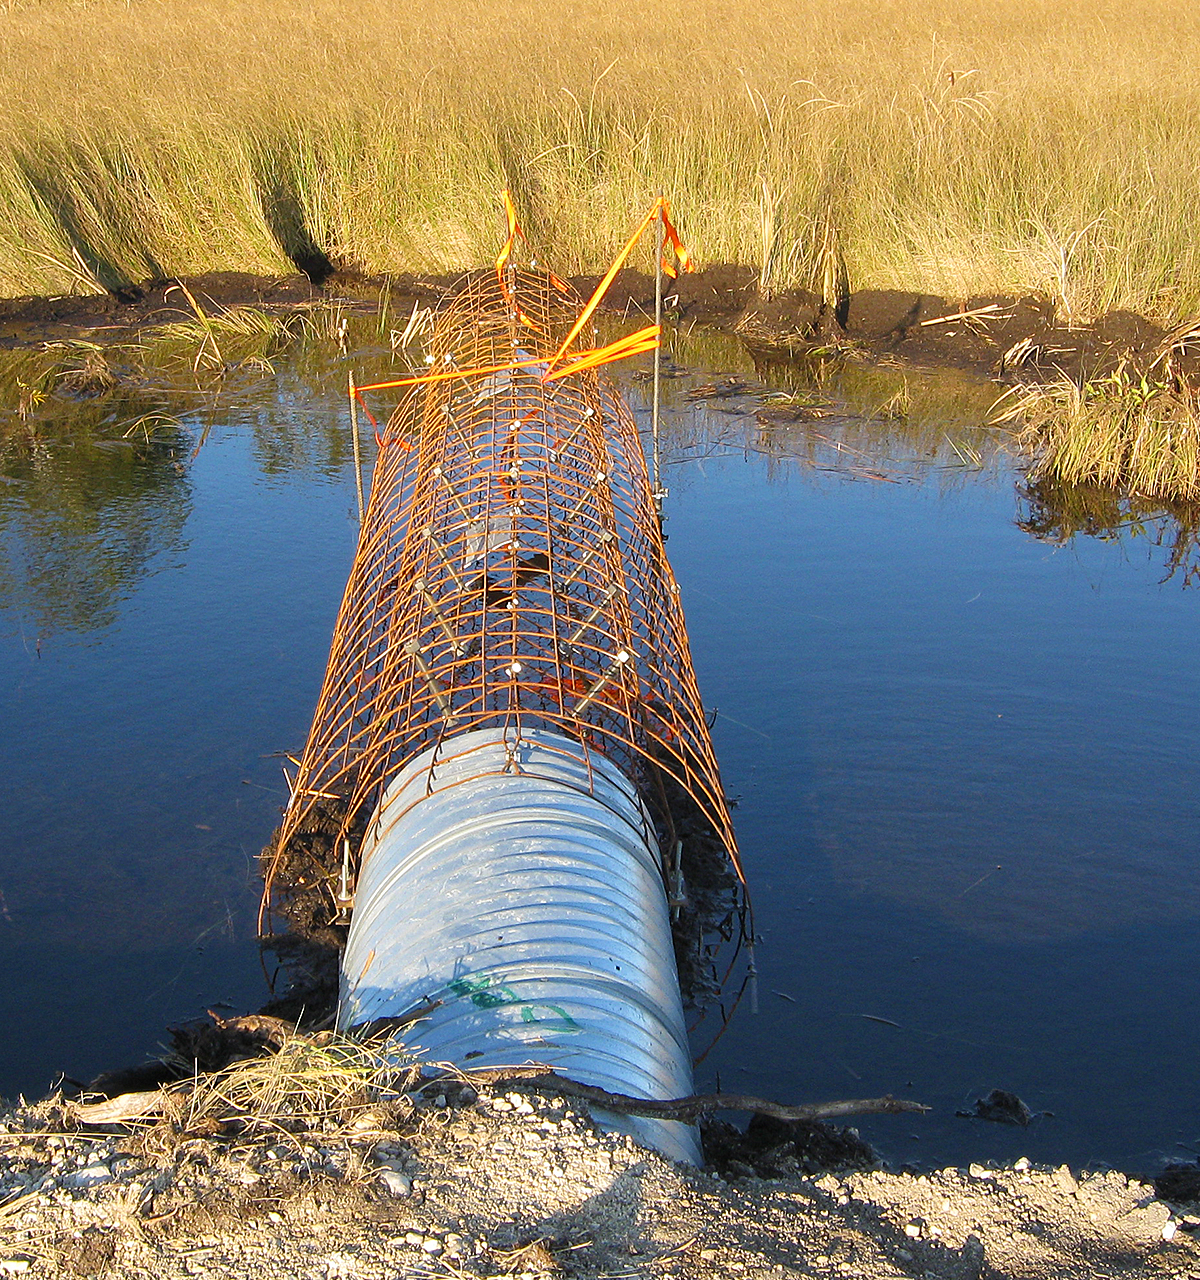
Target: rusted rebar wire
x=510 y=572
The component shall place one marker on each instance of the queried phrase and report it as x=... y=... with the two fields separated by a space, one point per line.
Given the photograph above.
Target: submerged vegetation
x=959 y=148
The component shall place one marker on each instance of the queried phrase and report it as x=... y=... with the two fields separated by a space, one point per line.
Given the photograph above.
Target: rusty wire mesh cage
x=510 y=573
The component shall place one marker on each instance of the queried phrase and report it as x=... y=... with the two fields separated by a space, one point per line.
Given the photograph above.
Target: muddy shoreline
x=990 y=336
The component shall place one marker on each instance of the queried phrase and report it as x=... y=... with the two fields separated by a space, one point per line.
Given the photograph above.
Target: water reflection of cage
x=510 y=573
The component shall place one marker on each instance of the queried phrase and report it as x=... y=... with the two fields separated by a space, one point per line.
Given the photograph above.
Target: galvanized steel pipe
x=510 y=886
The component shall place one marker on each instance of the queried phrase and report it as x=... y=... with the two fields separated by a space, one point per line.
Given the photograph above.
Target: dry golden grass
x=957 y=146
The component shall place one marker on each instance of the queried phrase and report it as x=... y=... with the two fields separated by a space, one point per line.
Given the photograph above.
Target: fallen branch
x=537 y=1079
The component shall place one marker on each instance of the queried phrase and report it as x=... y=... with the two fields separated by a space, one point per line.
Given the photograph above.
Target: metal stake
x=354 y=440
x=658 y=300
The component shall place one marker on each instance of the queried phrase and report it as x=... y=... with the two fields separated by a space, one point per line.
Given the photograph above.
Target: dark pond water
x=967 y=757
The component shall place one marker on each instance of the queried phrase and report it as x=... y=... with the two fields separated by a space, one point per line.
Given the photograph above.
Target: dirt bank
x=510 y=1185
x=989 y=335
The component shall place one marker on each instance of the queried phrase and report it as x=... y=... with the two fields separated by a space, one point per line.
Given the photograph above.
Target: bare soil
x=508 y=1186
x=991 y=335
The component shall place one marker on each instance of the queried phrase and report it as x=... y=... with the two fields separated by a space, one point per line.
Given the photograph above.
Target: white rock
x=1169 y=1229
x=91 y=1175
x=1022 y=1165
x=432 y=1246
x=14 y=1266
x=414 y=1237
x=399 y=1184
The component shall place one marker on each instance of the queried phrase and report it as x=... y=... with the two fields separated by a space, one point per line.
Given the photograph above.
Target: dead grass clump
x=86 y=370
x=1124 y=430
x=309 y=1081
x=309 y=1084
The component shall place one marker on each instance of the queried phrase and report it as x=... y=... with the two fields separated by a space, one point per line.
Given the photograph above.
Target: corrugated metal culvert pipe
x=510 y=888
x=509 y=730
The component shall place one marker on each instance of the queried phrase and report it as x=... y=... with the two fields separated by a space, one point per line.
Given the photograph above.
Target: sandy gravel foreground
x=508 y=1186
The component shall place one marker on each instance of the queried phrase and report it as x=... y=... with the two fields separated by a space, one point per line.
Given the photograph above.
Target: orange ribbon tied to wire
x=660 y=208
x=671 y=237
x=514 y=232
x=560 y=365
x=632 y=344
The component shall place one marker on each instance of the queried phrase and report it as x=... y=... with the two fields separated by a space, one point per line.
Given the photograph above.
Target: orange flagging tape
x=661 y=208
x=446 y=374
x=631 y=345
x=678 y=247
x=514 y=230
x=603 y=286
x=370 y=415
x=634 y=344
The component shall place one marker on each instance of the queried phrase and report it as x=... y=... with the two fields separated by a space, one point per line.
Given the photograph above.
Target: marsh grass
x=141 y=386
x=959 y=147
x=1139 y=432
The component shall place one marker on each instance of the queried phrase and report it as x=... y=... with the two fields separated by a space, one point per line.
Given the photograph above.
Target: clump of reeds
x=1126 y=430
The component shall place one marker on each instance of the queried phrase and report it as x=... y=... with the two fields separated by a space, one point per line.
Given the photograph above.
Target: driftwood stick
x=537 y=1079
x=127 y=1108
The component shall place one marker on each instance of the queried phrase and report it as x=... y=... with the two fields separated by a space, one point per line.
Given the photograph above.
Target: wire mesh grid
x=510 y=573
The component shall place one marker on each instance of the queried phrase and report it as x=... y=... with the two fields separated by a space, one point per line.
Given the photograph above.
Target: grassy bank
x=958 y=147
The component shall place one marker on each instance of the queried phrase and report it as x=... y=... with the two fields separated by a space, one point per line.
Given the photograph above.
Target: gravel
x=530 y=1190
